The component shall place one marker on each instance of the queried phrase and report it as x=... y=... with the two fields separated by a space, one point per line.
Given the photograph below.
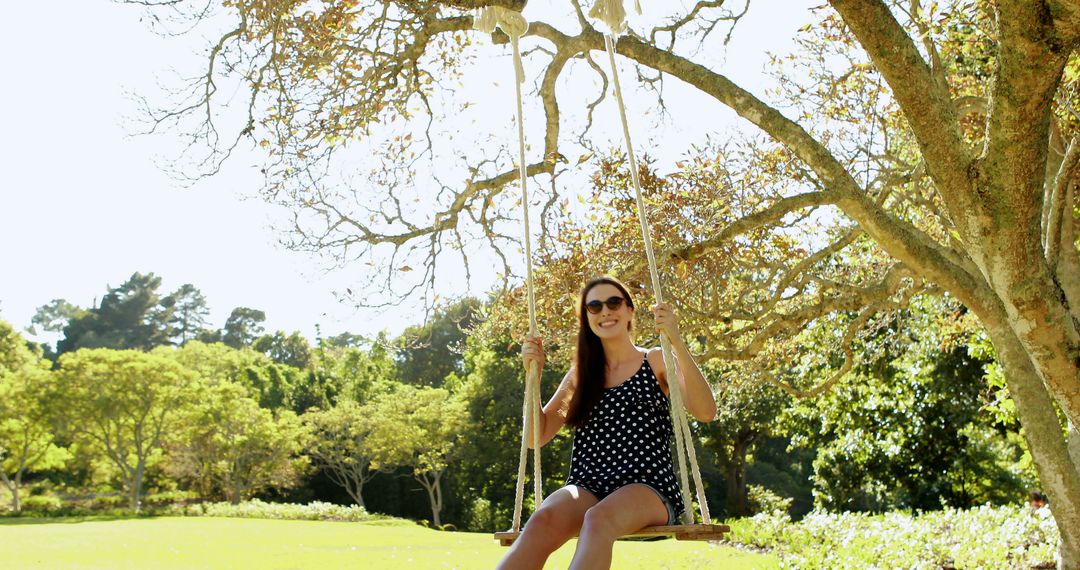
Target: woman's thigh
x=627 y=510
x=562 y=511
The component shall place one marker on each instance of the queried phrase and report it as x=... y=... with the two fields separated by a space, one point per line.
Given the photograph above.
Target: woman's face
x=608 y=323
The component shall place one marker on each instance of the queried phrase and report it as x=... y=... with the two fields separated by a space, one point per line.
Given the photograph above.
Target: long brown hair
x=590 y=360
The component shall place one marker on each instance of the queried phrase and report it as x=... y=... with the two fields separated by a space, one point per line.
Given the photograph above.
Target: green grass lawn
x=170 y=542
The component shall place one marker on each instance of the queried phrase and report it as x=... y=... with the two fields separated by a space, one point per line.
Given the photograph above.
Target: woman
x=615 y=395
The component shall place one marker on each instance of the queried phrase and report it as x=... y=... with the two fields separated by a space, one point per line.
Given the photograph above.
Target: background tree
x=491 y=389
x=190 y=313
x=242 y=448
x=243 y=326
x=339 y=447
x=26 y=438
x=747 y=413
x=908 y=429
x=52 y=318
x=359 y=369
x=124 y=403
x=131 y=316
x=293 y=350
x=271 y=384
x=419 y=429
x=428 y=353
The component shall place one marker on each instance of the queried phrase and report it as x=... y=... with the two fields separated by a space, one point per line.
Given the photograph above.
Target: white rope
x=515 y=25
x=684 y=442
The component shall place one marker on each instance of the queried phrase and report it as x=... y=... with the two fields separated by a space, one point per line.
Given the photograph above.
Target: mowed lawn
x=172 y=542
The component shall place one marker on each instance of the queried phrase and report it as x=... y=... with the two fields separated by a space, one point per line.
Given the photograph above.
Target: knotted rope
x=612 y=13
x=515 y=25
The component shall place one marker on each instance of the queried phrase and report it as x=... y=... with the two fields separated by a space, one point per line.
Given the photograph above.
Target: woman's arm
x=697 y=395
x=553 y=416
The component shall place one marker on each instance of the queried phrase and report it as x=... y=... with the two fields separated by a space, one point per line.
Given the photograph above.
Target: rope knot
x=510 y=21
x=612 y=14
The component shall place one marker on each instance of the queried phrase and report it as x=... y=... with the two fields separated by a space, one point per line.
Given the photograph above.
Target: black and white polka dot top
x=627 y=439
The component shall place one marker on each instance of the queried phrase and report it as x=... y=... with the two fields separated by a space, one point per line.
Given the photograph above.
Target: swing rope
x=611 y=12
x=515 y=25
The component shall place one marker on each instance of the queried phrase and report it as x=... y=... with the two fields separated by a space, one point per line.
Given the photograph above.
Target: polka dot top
x=627 y=439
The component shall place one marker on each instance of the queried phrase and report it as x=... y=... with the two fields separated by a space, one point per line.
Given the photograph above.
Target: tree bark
x=1045 y=438
x=1074 y=445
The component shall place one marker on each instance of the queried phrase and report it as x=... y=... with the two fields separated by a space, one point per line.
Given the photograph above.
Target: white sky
x=83 y=205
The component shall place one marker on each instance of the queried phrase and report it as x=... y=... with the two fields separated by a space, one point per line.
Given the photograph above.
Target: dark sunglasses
x=613 y=304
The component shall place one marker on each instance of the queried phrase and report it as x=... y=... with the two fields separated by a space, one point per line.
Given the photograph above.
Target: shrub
x=42 y=503
x=256 y=509
x=480 y=517
x=763 y=500
x=985 y=537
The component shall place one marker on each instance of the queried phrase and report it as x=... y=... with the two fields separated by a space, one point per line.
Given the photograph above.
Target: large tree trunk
x=356 y=491
x=358 y=498
x=135 y=500
x=13 y=487
x=738 y=504
x=16 y=500
x=1045 y=438
x=236 y=490
x=431 y=482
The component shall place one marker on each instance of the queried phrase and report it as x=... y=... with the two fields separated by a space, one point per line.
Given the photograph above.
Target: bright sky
x=83 y=205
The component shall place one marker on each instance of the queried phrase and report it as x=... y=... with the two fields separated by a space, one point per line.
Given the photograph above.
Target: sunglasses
x=613 y=304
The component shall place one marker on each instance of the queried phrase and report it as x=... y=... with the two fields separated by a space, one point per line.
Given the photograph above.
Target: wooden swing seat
x=678 y=531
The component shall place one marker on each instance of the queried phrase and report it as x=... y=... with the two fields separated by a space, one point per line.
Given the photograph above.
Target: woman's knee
x=549 y=525
x=600 y=521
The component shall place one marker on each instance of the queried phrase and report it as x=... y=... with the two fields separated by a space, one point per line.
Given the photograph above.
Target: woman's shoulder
x=655 y=356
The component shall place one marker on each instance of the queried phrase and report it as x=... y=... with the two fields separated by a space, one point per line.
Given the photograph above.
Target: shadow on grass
x=12 y=520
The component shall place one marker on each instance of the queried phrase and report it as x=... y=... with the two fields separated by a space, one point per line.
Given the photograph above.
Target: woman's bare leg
x=556 y=521
x=625 y=511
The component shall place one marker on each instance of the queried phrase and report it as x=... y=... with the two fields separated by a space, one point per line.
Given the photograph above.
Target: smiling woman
x=622 y=477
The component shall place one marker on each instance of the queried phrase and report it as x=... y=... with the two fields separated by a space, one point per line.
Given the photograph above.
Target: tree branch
x=925 y=100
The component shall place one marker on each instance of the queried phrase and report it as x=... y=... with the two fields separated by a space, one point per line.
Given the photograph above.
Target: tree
x=746 y=414
x=939 y=136
x=908 y=428
x=339 y=445
x=242 y=327
x=271 y=384
x=131 y=316
x=54 y=316
x=358 y=371
x=293 y=350
x=417 y=428
x=491 y=389
x=229 y=443
x=190 y=313
x=428 y=353
x=26 y=438
x=124 y=403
